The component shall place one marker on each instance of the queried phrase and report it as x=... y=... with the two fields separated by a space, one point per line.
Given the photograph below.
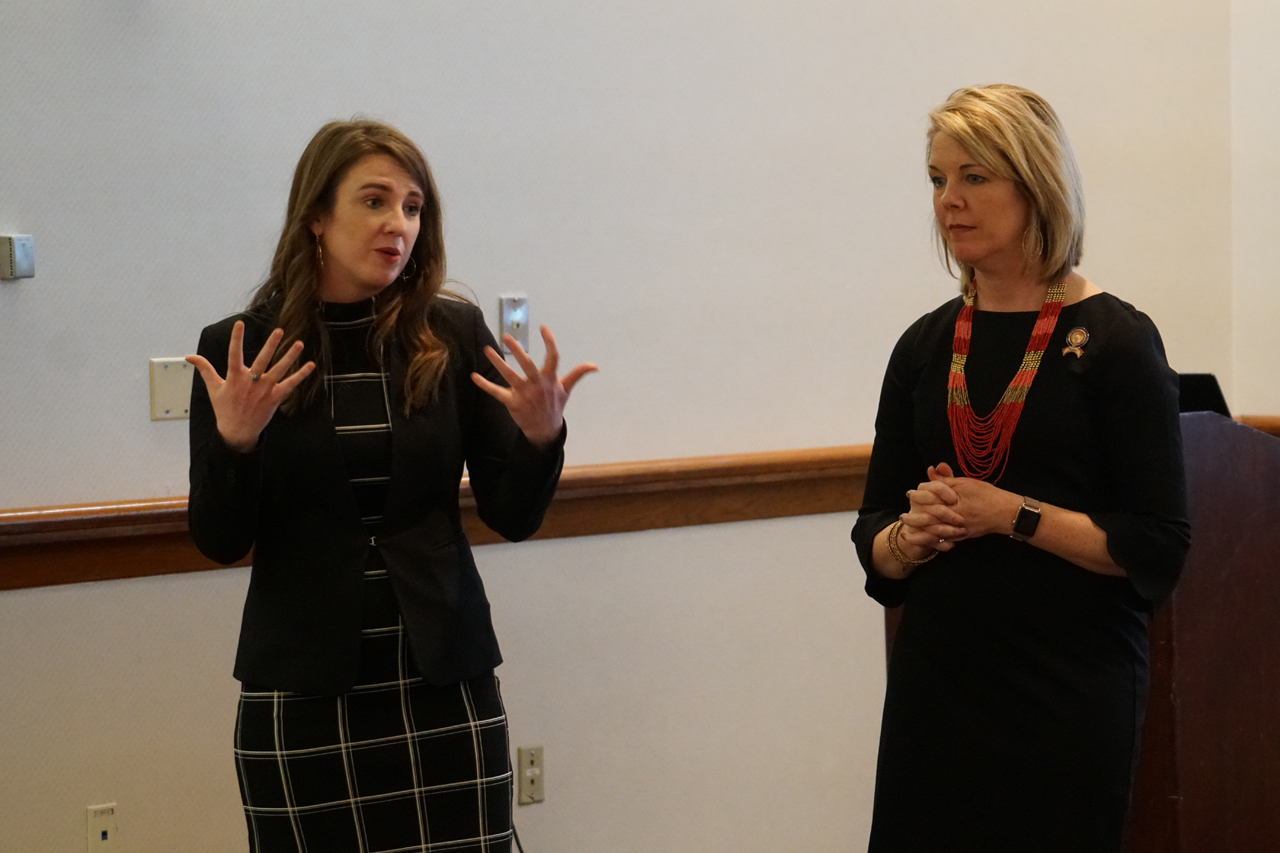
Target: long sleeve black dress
x=1017 y=682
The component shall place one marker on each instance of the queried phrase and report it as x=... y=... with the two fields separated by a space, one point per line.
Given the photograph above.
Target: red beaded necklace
x=982 y=443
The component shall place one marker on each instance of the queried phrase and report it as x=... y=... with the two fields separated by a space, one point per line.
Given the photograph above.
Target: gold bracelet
x=896 y=552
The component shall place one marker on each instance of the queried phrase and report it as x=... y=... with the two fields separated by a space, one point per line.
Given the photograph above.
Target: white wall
x=121 y=692
x=711 y=688
x=1255 y=214
x=720 y=202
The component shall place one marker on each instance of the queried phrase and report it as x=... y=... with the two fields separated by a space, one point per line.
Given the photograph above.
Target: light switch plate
x=513 y=319
x=17 y=256
x=170 y=389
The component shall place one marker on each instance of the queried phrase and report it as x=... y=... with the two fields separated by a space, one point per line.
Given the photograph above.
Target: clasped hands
x=948 y=509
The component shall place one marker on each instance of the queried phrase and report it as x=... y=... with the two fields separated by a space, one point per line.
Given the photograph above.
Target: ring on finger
x=254 y=377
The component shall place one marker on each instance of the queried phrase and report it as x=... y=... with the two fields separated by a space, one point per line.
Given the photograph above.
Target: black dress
x=1017 y=681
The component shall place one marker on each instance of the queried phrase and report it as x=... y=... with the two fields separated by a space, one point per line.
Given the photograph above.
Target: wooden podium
x=1209 y=775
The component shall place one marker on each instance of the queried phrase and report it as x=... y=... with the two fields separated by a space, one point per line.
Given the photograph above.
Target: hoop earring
x=319 y=253
x=405 y=275
x=1033 y=242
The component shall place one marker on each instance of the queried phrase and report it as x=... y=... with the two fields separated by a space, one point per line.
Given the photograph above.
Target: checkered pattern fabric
x=386 y=768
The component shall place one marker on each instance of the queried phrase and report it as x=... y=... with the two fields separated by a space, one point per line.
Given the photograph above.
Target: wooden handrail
x=43 y=546
x=1270 y=424
x=91 y=521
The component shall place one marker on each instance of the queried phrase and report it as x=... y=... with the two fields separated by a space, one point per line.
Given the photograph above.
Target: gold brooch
x=1076 y=338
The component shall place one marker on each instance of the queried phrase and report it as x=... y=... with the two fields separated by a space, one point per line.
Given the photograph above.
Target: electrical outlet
x=530 y=775
x=102 y=825
x=171 y=389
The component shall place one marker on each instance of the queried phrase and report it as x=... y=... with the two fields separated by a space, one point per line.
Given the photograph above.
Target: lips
x=390 y=254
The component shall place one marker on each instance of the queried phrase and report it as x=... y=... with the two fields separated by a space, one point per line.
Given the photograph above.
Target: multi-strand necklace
x=982 y=443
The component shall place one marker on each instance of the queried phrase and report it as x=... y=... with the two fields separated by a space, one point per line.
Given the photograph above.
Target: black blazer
x=291 y=502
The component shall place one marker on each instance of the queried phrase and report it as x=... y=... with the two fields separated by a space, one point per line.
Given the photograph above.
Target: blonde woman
x=1025 y=505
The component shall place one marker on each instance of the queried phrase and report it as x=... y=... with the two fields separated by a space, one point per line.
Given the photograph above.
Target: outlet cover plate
x=102 y=825
x=529 y=775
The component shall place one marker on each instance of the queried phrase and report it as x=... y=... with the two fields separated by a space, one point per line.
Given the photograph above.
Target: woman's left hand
x=1068 y=534
x=535 y=400
x=985 y=508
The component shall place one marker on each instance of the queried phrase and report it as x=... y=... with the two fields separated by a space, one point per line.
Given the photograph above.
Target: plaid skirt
x=395 y=765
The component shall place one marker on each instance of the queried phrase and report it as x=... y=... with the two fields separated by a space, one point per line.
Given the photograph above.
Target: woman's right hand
x=248 y=397
x=932 y=523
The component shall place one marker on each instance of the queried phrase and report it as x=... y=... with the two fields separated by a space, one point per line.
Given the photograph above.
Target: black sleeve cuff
x=1150 y=551
x=887 y=591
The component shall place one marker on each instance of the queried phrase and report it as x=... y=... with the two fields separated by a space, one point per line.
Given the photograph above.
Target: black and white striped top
x=359 y=398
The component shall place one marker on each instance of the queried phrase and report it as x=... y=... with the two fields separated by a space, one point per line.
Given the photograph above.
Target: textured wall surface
x=1255 y=216
x=706 y=688
x=722 y=203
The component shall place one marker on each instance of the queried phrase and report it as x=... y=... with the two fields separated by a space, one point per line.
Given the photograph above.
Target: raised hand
x=537 y=398
x=248 y=397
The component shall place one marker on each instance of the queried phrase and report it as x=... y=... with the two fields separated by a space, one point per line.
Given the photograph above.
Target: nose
x=396 y=220
x=951 y=196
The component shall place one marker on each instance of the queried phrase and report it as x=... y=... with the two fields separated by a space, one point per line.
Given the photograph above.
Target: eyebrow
x=385 y=187
x=962 y=166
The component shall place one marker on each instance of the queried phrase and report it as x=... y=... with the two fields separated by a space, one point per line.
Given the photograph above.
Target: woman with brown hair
x=1025 y=505
x=370 y=717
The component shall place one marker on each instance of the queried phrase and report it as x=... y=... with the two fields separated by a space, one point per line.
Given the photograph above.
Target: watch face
x=1025 y=523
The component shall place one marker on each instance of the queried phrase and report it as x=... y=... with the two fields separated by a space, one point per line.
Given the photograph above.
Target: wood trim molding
x=45 y=546
x=1270 y=424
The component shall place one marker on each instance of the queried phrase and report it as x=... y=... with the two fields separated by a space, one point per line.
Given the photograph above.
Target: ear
x=317 y=226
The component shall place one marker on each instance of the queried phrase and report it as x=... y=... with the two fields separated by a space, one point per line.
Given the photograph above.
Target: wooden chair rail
x=1269 y=424
x=45 y=546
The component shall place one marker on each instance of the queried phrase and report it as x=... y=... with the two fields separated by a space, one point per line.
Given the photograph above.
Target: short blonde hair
x=1016 y=134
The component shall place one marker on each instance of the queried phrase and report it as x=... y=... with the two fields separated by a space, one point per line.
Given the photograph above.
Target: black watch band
x=1027 y=519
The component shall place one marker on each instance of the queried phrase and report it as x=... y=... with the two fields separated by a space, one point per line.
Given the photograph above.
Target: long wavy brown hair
x=290 y=296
